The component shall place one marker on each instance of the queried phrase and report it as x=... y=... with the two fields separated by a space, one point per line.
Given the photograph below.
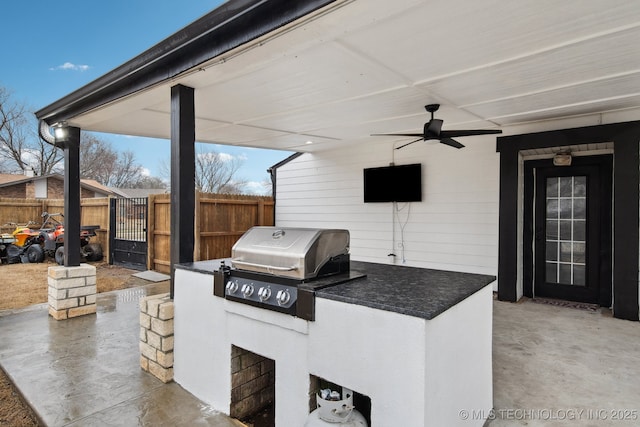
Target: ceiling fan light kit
x=433 y=130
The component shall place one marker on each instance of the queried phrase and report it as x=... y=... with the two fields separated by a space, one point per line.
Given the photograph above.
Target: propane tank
x=333 y=411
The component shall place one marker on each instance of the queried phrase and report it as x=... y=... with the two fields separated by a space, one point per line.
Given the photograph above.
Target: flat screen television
x=393 y=184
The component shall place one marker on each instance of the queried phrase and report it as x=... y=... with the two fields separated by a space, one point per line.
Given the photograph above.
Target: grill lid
x=297 y=253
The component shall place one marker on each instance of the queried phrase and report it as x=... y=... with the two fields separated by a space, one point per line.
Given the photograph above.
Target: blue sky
x=50 y=49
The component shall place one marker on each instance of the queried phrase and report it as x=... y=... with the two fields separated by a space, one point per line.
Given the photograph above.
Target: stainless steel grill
x=280 y=268
x=298 y=253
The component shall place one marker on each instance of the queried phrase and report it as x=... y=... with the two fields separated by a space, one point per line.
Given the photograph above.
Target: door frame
x=626 y=207
x=602 y=228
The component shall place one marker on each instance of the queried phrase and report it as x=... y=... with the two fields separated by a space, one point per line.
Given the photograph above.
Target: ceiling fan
x=432 y=130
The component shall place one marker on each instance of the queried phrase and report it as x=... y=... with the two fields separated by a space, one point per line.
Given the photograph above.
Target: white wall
x=455 y=227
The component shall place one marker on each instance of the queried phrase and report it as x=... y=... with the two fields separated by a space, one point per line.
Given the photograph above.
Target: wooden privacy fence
x=219 y=221
x=22 y=211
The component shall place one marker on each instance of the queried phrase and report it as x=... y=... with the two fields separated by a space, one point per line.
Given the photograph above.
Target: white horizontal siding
x=455 y=227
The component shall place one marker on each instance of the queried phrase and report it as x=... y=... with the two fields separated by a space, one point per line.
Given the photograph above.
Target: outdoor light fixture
x=61 y=132
x=60 y=135
x=562 y=158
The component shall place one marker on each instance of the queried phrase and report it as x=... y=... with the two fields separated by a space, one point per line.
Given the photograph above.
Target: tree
x=149 y=182
x=99 y=161
x=215 y=172
x=96 y=158
x=21 y=148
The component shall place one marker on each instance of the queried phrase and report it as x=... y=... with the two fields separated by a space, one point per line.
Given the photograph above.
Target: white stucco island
x=419 y=369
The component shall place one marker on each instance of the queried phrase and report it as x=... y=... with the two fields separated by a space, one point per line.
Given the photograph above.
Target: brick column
x=156 y=336
x=72 y=291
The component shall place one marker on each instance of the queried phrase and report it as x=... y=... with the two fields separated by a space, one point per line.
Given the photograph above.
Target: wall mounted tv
x=393 y=184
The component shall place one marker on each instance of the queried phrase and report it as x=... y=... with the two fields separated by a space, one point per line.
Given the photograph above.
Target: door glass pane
x=580 y=208
x=578 y=275
x=579 y=250
x=552 y=251
x=566 y=208
x=565 y=241
x=552 y=272
x=565 y=229
x=564 y=273
x=566 y=188
x=579 y=186
x=552 y=229
x=579 y=230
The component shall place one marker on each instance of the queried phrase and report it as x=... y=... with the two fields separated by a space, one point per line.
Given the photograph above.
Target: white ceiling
x=370 y=66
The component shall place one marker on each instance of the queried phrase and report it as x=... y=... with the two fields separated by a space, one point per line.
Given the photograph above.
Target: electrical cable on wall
x=402 y=224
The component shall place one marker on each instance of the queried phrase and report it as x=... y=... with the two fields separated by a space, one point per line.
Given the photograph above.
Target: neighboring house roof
x=92 y=184
x=7 y=180
x=133 y=193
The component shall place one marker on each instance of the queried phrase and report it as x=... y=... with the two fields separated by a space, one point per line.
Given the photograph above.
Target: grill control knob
x=247 y=290
x=264 y=293
x=283 y=297
x=232 y=287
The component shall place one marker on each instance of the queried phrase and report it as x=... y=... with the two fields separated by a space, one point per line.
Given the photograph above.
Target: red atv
x=52 y=239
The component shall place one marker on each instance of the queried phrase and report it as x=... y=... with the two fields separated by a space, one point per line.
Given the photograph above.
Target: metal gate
x=128 y=239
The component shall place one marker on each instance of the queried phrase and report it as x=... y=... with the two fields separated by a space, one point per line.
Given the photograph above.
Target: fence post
x=261 y=212
x=112 y=227
x=151 y=231
x=196 y=228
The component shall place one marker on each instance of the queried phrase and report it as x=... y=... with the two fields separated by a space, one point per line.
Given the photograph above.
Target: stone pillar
x=156 y=336
x=72 y=291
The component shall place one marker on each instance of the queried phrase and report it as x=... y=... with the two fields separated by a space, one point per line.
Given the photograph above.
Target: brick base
x=156 y=336
x=253 y=380
x=72 y=291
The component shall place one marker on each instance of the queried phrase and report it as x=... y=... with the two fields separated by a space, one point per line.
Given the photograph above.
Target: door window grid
x=566 y=230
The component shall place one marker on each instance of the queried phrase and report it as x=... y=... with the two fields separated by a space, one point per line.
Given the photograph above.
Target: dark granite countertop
x=411 y=291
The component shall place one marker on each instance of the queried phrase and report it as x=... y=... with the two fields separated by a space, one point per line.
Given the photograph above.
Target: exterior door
x=572 y=229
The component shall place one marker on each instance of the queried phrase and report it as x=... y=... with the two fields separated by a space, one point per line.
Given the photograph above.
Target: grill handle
x=268 y=267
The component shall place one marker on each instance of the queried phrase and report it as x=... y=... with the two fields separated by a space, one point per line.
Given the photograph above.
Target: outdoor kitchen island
x=416 y=342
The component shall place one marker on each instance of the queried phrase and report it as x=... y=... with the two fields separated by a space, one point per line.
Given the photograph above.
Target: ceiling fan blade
x=408 y=143
x=397 y=134
x=451 y=142
x=468 y=132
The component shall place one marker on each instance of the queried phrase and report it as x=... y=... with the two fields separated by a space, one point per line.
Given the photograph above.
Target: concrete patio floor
x=86 y=371
x=559 y=366
x=553 y=366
